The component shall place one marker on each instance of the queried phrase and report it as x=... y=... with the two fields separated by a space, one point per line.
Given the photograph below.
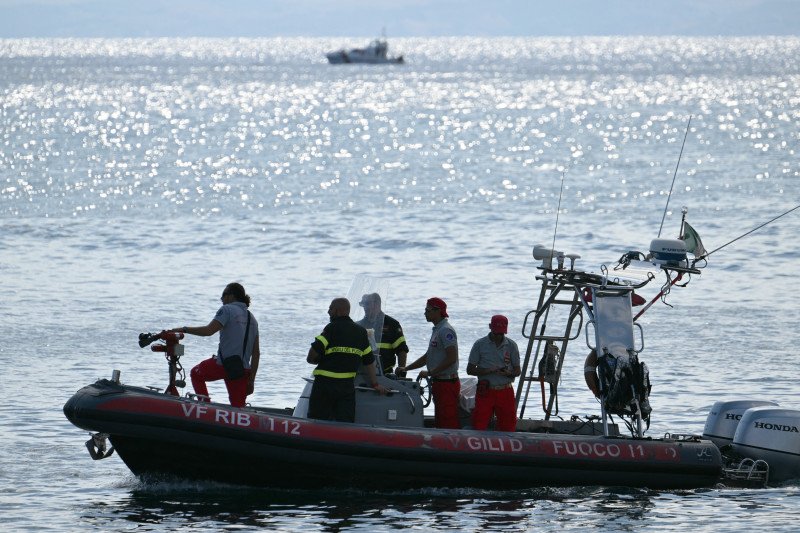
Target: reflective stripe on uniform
x=345 y=349
x=323 y=340
x=337 y=375
x=392 y=346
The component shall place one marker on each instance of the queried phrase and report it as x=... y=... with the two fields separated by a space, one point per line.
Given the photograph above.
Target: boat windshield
x=368 y=296
x=614 y=322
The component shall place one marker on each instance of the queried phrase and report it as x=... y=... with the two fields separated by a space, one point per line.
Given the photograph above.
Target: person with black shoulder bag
x=238 y=354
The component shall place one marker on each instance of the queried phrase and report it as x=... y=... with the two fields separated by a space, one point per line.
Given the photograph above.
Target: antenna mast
x=558 y=211
x=674 y=176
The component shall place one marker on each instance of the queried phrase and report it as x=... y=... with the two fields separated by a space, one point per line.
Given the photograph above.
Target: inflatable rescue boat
x=393 y=444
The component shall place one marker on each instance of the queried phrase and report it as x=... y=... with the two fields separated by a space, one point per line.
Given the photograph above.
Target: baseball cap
x=371 y=298
x=439 y=304
x=499 y=324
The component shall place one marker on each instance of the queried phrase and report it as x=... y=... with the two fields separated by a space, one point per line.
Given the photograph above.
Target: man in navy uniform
x=338 y=352
x=388 y=333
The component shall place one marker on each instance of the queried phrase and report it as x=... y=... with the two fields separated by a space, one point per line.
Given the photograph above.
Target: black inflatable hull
x=157 y=434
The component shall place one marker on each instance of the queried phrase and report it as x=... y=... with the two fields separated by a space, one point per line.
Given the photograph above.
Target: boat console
x=402 y=406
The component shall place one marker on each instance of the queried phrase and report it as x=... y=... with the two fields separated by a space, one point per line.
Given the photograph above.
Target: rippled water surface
x=138 y=177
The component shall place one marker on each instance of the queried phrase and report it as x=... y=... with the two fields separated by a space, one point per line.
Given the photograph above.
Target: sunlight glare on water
x=202 y=124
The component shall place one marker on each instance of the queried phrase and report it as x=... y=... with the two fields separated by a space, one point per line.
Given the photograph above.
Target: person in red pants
x=441 y=361
x=494 y=359
x=238 y=338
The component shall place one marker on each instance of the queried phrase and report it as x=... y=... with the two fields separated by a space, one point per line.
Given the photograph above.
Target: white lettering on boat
x=220 y=416
x=198 y=410
x=593 y=449
x=604 y=450
x=234 y=418
x=636 y=450
x=494 y=444
x=290 y=427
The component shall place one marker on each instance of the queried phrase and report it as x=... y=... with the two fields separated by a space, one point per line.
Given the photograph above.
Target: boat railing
x=198 y=397
x=558 y=319
x=748 y=471
x=551 y=297
x=683 y=437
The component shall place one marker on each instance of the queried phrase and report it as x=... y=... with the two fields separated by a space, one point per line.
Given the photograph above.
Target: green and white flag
x=693 y=243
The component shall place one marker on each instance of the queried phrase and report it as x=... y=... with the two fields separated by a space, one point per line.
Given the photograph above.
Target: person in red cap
x=494 y=359
x=441 y=361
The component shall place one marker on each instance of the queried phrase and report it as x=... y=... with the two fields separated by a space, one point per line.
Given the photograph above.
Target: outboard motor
x=771 y=434
x=723 y=419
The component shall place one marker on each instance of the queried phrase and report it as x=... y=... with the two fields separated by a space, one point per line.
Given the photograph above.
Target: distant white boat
x=375 y=53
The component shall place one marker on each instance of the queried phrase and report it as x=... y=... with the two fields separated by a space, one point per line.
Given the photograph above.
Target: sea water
x=139 y=177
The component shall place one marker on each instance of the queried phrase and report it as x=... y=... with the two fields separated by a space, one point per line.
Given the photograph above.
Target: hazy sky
x=401 y=18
